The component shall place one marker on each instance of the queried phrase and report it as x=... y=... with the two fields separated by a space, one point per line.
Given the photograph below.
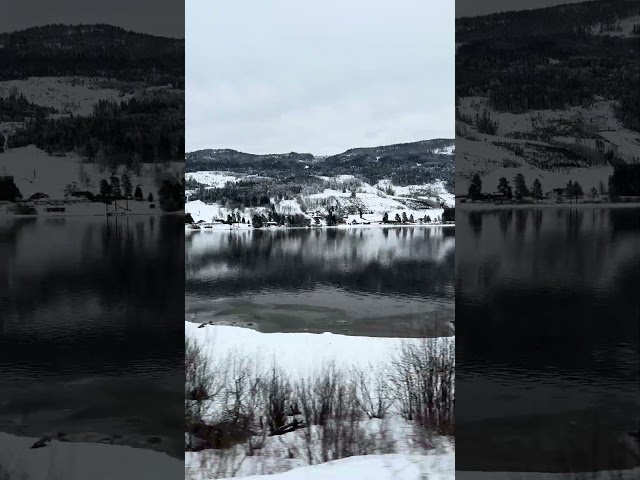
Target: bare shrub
x=423 y=382
x=242 y=394
x=203 y=382
x=278 y=402
x=373 y=393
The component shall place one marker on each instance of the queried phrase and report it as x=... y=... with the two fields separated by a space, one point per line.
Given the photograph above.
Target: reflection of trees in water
x=521 y=222
x=559 y=303
x=140 y=260
x=128 y=284
x=505 y=217
x=347 y=259
x=475 y=222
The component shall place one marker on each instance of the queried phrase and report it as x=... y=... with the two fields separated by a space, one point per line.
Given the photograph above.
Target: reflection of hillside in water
x=414 y=261
x=74 y=285
x=550 y=293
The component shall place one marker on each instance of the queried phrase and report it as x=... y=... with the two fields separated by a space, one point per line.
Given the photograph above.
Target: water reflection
x=547 y=317
x=361 y=274
x=90 y=318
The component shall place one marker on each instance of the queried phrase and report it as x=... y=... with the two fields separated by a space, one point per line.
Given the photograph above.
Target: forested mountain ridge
x=551 y=58
x=404 y=164
x=550 y=94
x=91 y=50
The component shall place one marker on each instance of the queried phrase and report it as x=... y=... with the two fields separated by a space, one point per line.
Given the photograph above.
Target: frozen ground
x=82 y=461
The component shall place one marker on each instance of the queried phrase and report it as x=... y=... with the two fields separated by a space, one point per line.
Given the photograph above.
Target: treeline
x=248 y=193
x=16 y=108
x=403 y=170
x=405 y=164
x=91 y=50
x=125 y=133
x=567 y=18
x=625 y=181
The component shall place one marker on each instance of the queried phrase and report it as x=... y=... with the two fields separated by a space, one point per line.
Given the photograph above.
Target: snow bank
x=300 y=353
x=374 y=467
x=82 y=461
x=289 y=452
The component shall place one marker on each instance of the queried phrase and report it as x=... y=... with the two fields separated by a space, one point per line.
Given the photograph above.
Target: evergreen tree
x=593 y=193
x=115 y=187
x=411 y=218
x=257 y=221
x=475 y=189
x=138 y=193
x=105 y=188
x=427 y=219
x=536 y=190
x=577 y=191
x=569 y=191
x=126 y=185
x=404 y=217
x=385 y=218
x=397 y=218
x=503 y=186
x=521 y=186
x=150 y=197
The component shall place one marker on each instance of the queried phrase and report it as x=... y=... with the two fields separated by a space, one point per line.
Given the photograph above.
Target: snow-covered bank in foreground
x=301 y=357
x=374 y=467
x=392 y=439
x=297 y=353
x=82 y=461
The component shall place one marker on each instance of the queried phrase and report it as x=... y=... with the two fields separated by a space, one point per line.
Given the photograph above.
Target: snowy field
x=68 y=95
x=506 y=153
x=82 y=461
x=34 y=171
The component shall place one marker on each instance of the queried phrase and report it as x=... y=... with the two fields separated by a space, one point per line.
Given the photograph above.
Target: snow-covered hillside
x=348 y=194
x=36 y=172
x=541 y=145
x=68 y=95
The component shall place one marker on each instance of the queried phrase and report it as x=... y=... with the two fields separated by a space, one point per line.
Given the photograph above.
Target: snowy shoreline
x=82 y=460
x=227 y=228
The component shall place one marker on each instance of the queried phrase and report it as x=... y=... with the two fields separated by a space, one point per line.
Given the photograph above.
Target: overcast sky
x=472 y=8
x=156 y=17
x=318 y=76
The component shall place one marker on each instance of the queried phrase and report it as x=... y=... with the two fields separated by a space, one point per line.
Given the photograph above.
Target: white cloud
x=318 y=77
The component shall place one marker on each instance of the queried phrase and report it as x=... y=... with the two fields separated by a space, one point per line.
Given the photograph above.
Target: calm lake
x=548 y=316
x=356 y=281
x=91 y=332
